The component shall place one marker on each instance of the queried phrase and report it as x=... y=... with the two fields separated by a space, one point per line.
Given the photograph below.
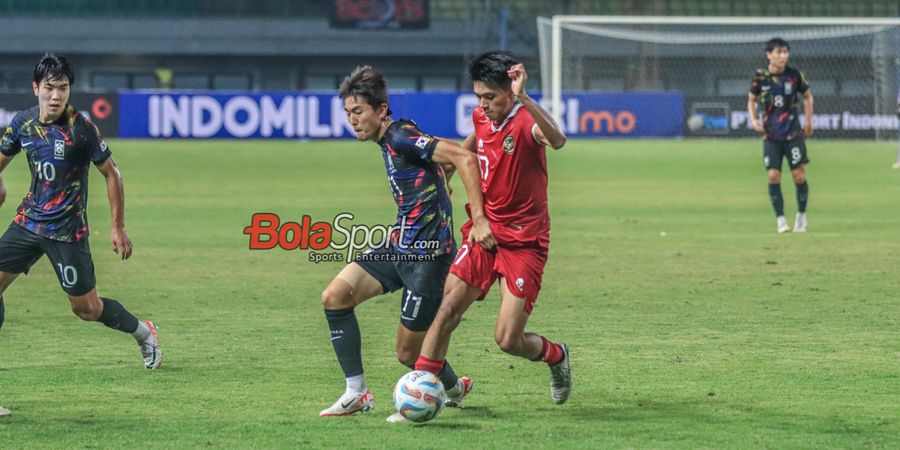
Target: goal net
x=851 y=66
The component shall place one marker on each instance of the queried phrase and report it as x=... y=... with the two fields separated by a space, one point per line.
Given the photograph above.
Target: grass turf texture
x=718 y=334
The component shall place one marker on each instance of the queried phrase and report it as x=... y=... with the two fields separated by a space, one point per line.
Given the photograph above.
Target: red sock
x=551 y=353
x=432 y=365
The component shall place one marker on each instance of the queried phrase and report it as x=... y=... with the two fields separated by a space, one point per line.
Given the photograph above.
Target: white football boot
x=782 y=225
x=150 y=350
x=4 y=411
x=561 y=378
x=464 y=385
x=350 y=403
x=800 y=223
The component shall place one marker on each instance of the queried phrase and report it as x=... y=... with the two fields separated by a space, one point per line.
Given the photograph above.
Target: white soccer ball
x=695 y=122
x=419 y=396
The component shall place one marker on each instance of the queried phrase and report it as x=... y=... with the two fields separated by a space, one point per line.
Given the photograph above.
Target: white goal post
x=851 y=63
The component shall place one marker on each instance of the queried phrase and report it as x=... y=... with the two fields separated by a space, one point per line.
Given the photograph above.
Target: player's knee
x=774 y=177
x=799 y=178
x=407 y=356
x=87 y=311
x=507 y=343
x=336 y=298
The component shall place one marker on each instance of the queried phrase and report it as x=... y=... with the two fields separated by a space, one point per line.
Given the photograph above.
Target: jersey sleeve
x=94 y=143
x=10 y=145
x=410 y=142
x=755 y=83
x=804 y=86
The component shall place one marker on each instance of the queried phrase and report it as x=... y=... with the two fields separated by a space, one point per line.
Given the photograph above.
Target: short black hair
x=491 y=68
x=53 y=67
x=368 y=84
x=775 y=43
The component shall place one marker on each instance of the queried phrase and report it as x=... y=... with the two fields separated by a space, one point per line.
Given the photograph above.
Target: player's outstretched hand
x=121 y=243
x=807 y=130
x=518 y=76
x=481 y=234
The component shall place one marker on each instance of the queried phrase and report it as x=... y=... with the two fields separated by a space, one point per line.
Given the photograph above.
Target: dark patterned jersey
x=59 y=155
x=423 y=206
x=779 y=98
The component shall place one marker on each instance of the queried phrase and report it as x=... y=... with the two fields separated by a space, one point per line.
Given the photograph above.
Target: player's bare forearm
x=115 y=191
x=4 y=161
x=808 y=112
x=467 y=165
x=751 y=112
x=547 y=126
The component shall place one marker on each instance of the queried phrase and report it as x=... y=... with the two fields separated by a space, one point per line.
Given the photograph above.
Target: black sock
x=1 y=311
x=345 y=338
x=776 y=198
x=115 y=316
x=447 y=376
x=802 y=196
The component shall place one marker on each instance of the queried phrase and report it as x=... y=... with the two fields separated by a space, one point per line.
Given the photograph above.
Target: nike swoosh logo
x=334 y=338
x=26 y=144
x=345 y=405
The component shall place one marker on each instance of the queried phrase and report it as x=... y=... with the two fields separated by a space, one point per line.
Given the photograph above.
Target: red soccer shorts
x=523 y=268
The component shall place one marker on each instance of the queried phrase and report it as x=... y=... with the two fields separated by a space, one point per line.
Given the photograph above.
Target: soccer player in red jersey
x=510 y=138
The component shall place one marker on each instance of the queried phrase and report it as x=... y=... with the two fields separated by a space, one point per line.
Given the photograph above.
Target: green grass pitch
x=692 y=324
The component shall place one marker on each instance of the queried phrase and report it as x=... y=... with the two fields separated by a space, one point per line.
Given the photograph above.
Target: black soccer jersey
x=419 y=189
x=779 y=96
x=59 y=154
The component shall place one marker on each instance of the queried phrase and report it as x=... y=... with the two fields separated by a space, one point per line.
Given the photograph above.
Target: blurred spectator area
x=291 y=45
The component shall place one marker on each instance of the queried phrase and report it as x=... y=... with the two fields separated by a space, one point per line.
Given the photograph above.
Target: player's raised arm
x=115 y=190
x=449 y=152
x=548 y=132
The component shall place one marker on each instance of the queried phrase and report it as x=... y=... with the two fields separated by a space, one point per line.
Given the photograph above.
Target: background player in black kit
x=778 y=88
x=412 y=160
x=60 y=144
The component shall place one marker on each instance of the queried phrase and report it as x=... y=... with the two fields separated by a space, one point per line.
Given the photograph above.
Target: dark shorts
x=794 y=150
x=20 y=249
x=422 y=283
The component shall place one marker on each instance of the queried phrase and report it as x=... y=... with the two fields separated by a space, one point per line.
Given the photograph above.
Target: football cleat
x=782 y=225
x=561 y=378
x=464 y=385
x=350 y=403
x=153 y=355
x=896 y=165
x=4 y=411
x=800 y=223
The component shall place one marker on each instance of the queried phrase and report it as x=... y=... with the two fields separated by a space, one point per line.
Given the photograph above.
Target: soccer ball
x=695 y=122
x=419 y=396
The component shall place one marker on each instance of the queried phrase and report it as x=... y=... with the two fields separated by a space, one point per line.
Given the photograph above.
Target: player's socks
x=802 y=196
x=356 y=384
x=115 y=316
x=551 y=352
x=432 y=365
x=776 y=198
x=346 y=340
x=448 y=378
x=1 y=311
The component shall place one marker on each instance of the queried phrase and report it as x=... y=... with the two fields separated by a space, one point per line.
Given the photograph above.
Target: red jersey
x=513 y=178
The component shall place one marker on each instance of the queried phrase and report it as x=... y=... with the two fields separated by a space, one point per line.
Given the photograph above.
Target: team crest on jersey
x=520 y=283
x=788 y=87
x=509 y=144
x=59 y=149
